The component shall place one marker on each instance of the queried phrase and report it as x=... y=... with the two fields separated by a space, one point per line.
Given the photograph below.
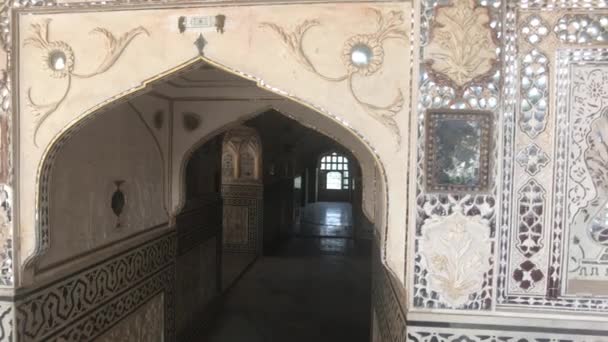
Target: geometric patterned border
x=251 y=197
x=254 y=224
x=87 y=303
x=425 y=334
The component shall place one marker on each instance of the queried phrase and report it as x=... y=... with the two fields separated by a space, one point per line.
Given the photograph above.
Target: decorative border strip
x=243 y=191
x=104 y=318
x=58 y=307
x=437 y=334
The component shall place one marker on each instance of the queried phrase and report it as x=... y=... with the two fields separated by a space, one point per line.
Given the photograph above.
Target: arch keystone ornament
x=462 y=48
x=456 y=252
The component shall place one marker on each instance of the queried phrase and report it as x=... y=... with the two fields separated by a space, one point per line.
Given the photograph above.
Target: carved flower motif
x=595 y=86
x=456 y=251
x=461 y=47
x=363 y=54
x=58 y=58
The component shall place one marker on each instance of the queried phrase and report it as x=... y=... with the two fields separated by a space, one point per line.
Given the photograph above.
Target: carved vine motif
x=596 y=160
x=59 y=59
x=390 y=26
x=456 y=252
x=462 y=49
x=590 y=99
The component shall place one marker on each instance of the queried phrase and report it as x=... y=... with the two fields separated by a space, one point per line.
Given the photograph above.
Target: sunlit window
x=334 y=180
x=297 y=182
x=336 y=171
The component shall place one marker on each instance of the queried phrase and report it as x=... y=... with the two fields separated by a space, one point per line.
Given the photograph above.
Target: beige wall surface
x=114 y=53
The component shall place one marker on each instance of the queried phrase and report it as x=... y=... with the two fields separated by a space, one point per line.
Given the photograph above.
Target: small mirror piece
x=361 y=55
x=57 y=60
x=458 y=147
x=458 y=150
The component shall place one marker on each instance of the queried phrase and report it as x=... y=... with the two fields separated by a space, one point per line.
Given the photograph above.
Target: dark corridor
x=311 y=289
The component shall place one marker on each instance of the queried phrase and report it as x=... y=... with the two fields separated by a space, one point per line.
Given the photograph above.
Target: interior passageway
x=310 y=289
x=264 y=211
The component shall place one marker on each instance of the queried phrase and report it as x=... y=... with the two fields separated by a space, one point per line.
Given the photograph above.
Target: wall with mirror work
x=509 y=215
x=490 y=117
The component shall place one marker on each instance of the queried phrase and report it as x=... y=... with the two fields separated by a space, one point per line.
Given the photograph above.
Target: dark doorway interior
x=312 y=280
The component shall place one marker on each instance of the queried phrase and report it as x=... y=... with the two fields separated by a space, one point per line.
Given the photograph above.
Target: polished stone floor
x=310 y=289
x=326 y=219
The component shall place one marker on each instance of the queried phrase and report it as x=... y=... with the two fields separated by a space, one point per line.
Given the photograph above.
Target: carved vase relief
x=456 y=251
x=462 y=50
x=59 y=59
x=362 y=55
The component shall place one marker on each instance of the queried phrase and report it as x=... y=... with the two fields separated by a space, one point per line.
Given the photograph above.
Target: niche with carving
x=241 y=156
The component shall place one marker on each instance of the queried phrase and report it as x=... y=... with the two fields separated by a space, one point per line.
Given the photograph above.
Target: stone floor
x=310 y=289
x=325 y=219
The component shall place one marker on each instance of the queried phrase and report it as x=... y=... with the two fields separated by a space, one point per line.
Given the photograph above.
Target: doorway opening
x=236 y=173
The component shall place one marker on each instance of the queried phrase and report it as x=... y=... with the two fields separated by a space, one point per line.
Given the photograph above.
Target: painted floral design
x=369 y=43
x=60 y=61
x=390 y=26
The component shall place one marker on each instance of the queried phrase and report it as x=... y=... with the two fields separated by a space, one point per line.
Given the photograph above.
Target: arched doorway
x=138 y=172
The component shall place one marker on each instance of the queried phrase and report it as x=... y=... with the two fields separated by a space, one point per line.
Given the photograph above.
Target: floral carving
x=462 y=49
x=370 y=46
x=456 y=250
x=59 y=59
x=590 y=99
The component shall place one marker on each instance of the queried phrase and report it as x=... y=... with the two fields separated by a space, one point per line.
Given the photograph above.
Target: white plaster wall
x=114 y=146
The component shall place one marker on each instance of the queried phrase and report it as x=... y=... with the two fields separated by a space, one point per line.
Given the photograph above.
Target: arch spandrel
x=147 y=45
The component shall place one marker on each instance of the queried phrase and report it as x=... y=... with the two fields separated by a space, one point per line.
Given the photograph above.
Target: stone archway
x=44 y=122
x=77 y=86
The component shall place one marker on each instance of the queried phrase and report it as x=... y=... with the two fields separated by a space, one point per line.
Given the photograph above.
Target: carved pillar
x=242 y=191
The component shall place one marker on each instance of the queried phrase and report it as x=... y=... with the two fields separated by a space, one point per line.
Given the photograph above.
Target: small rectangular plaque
x=202 y=22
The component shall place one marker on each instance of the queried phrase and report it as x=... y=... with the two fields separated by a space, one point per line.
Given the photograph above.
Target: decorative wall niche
x=118 y=201
x=191 y=121
x=458 y=145
x=241 y=156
